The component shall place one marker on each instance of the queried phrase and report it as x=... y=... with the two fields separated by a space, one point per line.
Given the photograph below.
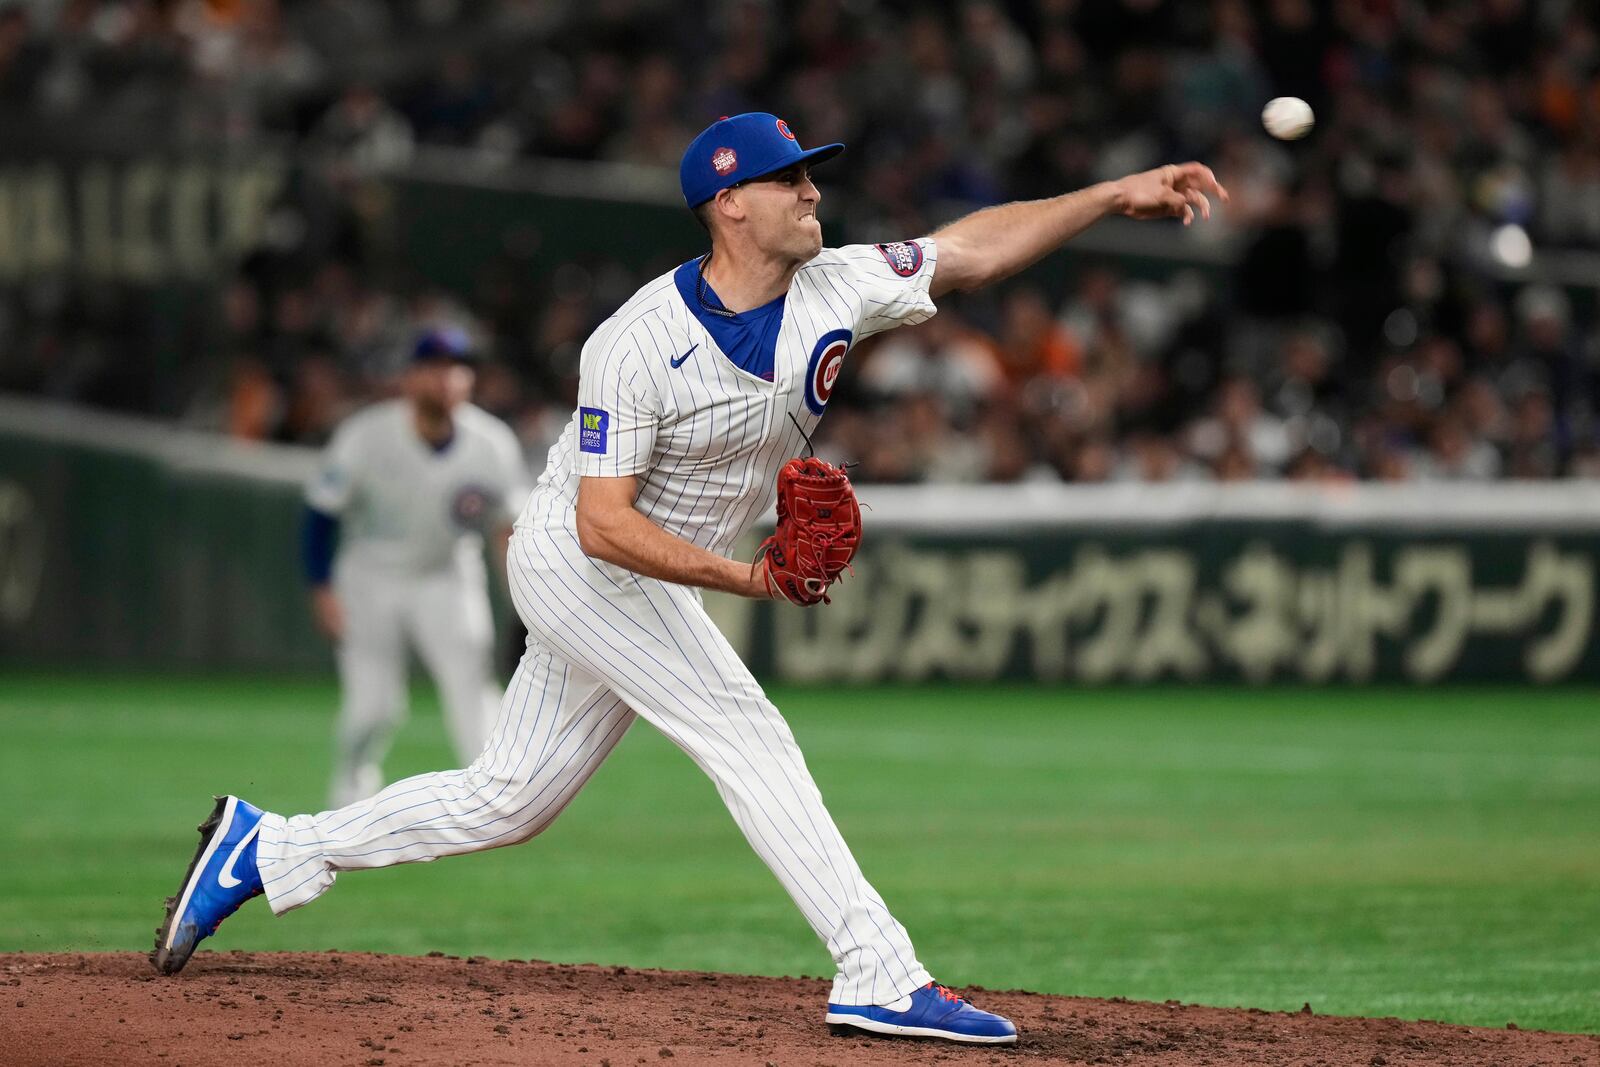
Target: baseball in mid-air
x=1288 y=118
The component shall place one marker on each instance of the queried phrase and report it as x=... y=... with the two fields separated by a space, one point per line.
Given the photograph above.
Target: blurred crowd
x=1361 y=310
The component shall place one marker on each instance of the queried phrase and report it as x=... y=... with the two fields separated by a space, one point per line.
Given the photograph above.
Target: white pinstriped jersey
x=659 y=399
x=407 y=506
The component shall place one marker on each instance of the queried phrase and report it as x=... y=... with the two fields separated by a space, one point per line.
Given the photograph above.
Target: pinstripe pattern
x=706 y=440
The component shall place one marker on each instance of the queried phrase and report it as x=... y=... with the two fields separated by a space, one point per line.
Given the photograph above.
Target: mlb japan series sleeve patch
x=892 y=280
x=903 y=257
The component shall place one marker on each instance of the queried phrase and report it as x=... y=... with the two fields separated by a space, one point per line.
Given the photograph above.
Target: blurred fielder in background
x=408 y=490
x=690 y=399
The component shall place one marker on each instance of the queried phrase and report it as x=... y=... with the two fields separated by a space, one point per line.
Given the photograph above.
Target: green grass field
x=1419 y=853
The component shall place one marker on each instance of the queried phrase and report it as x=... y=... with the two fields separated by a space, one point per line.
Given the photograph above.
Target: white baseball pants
x=446 y=617
x=604 y=646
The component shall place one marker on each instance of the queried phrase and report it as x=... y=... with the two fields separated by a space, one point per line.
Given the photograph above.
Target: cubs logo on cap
x=739 y=148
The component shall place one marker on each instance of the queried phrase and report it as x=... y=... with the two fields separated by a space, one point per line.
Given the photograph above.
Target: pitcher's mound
x=347 y=1008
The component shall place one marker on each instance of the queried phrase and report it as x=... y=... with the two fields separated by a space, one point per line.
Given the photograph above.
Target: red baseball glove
x=819 y=530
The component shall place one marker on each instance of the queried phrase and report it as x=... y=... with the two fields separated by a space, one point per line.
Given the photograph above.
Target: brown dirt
x=345 y=1008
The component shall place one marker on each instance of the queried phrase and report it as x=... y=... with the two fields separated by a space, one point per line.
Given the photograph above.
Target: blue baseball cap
x=738 y=148
x=444 y=342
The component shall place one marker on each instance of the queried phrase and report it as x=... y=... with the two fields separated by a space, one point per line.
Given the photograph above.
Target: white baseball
x=1287 y=118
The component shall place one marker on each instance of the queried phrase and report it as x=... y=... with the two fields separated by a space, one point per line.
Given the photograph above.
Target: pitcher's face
x=781 y=209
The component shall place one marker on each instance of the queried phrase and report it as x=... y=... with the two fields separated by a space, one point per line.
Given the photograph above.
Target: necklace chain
x=700 y=290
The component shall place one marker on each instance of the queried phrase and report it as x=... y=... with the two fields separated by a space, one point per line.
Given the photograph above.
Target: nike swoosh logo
x=226 y=877
x=676 y=363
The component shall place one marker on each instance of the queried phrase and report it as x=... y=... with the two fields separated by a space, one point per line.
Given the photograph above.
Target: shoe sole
x=855 y=1026
x=162 y=957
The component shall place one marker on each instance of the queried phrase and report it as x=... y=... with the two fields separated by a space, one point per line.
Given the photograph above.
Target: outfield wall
x=1255 y=583
x=125 y=542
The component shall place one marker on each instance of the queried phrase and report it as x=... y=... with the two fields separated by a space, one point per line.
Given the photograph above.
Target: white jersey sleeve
x=502 y=468
x=619 y=408
x=334 y=483
x=892 y=280
x=514 y=475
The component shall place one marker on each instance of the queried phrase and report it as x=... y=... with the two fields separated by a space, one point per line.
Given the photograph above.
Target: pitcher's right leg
x=654 y=644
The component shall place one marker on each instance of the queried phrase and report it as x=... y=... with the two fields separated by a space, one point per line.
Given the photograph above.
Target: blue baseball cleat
x=221 y=876
x=932 y=1011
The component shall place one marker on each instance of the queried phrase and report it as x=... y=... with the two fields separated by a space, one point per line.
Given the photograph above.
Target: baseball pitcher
x=693 y=398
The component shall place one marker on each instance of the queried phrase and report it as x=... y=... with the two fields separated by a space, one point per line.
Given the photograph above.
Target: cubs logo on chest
x=469 y=507
x=822 y=371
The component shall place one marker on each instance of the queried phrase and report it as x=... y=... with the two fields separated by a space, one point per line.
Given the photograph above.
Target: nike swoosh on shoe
x=225 y=877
